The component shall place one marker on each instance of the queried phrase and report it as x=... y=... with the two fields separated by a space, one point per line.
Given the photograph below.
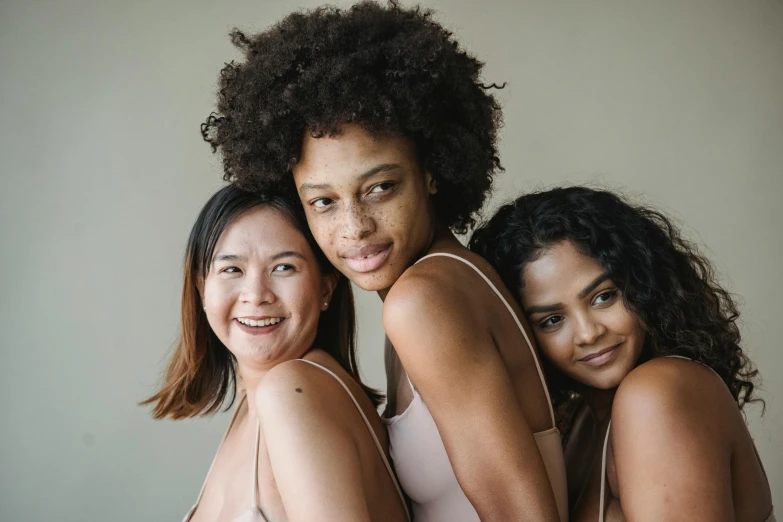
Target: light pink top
x=254 y=513
x=423 y=466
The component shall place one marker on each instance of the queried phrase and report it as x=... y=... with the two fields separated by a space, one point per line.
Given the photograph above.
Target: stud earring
x=205 y=308
x=326 y=306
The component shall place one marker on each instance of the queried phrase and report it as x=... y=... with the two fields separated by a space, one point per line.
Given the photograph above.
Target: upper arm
x=672 y=455
x=452 y=359
x=311 y=448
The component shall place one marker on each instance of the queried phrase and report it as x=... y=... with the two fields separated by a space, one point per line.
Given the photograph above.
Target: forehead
x=350 y=153
x=263 y=229
x=561 y=272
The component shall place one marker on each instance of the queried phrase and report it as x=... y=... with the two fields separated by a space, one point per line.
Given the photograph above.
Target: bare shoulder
x=671 y=392
x=297 y=389
x=434 y=291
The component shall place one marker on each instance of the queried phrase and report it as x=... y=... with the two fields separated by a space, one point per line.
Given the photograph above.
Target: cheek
x=217 y=295
x=323 y=228
x=556 y=348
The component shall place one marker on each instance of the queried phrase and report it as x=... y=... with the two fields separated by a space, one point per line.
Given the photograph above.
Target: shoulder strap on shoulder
x=381 y=452
x=513 y=315
x=225 y=435
x=603 y=476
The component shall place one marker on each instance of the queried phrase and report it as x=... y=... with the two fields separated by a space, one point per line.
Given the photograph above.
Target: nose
x=256 y=290
x=357 y=223
x=587 y=330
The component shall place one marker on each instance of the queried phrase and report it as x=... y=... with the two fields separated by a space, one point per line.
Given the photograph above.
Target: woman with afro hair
x=375 y=119
x=641 y=348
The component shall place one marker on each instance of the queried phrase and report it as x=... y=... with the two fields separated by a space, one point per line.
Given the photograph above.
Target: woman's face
x=264 y=291
x=367 y=202
x=579 y=318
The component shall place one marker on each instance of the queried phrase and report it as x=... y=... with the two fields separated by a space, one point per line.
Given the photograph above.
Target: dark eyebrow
x=288 y=253
x=592 y=286
x=385 y=167
x=557 y=306
x=226 y=257
x=543 y=309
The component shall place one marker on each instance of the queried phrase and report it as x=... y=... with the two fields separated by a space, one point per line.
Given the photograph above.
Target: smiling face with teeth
x=367 y=201
x=264 y=291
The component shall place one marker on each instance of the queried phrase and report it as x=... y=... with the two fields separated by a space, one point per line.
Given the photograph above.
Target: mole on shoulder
x=299 y=390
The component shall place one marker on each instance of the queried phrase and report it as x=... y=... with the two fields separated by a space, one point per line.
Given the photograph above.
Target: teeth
x=262 y=322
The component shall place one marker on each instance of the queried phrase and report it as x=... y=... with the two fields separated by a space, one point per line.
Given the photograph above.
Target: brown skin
x=317 y=462
x=678 y=448
x=448 y=331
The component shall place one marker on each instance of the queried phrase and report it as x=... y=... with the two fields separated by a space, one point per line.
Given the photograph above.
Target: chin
x=375 y=281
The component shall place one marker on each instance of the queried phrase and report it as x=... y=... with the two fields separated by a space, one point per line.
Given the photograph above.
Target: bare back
x=474 y=423
x=492 y=316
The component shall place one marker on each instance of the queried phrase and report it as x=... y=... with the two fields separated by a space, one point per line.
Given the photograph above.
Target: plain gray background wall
x=103 y=172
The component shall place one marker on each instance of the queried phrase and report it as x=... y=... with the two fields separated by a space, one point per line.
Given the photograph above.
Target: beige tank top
x=423 y=466
x=602 y=500
x=254 y=513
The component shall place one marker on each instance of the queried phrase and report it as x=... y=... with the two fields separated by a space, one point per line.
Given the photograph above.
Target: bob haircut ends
x=201 y=374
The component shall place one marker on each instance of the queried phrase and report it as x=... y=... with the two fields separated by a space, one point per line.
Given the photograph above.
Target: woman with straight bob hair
x=377 y=117
x=265 y=317
x=637 y=335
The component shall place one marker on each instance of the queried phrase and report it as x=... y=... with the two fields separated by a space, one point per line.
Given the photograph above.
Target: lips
x=601 y=357
x=366 y=258
x=261 y=325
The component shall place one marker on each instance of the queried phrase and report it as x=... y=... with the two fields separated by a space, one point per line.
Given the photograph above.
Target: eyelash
x=610 y=295
x=314 y=203
x=235 y=270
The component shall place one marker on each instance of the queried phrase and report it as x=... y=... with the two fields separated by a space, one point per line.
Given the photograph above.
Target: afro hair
x=390 y=69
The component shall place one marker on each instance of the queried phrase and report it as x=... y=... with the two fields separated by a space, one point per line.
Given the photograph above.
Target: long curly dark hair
x=665 y=281
x=387 y=68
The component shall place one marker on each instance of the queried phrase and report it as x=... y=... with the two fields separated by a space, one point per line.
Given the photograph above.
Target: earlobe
x=200 y=289
x=432 y=185
x=329 y=284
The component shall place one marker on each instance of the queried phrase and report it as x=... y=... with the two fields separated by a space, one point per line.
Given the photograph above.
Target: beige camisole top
x=254 y=513
x=423 y=466
x=602 y=500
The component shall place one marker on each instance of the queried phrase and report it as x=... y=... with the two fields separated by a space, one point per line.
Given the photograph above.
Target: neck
x=441 y=239
x=599 y=402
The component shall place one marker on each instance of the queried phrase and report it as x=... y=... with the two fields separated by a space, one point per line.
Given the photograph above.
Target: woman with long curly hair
x=642 y=353
x=375 y=118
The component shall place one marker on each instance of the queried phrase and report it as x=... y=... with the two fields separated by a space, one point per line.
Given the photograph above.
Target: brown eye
x=321 y=202
x=551 y=321
x=381 y=187
x=605 y=297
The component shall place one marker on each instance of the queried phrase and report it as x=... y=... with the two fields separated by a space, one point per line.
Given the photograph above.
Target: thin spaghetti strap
x=603 y=476
x=256 y=500
x=513 y=315
x=372 y=433
x=225 y=435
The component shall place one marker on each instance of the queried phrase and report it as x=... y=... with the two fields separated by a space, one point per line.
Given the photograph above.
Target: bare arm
x=315 y=461
x=454 y=364
x=671 y=448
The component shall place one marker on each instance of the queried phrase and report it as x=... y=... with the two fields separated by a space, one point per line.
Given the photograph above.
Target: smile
x=602 y=357
x=260 y=325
